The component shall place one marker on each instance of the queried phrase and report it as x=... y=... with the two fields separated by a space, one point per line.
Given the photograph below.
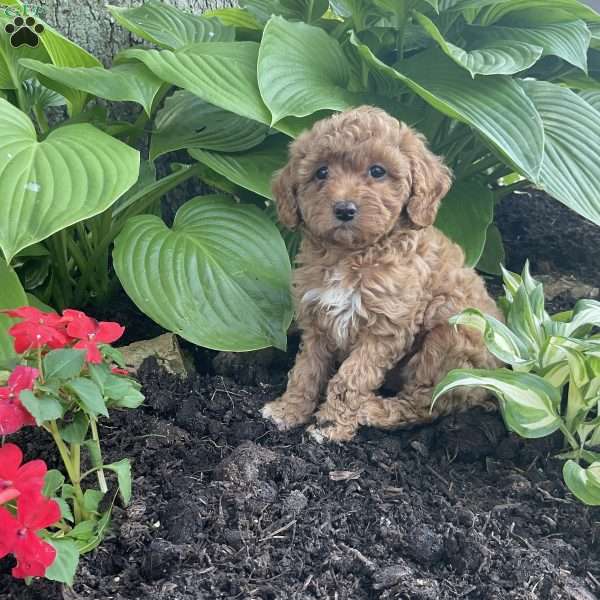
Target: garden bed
x=226 y=507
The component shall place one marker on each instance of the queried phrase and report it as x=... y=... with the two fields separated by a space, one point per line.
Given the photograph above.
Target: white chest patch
x=341 y=305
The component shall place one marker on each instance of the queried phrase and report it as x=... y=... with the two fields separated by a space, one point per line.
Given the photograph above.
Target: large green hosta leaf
x=523 y=13
x=168 y=27
x=570 y=171
x=495 y=106
x=528 y=402
x=502 y=57
x=221 y=73
x=467 y=202
x=568 y=41
x=252 y=170
x=298 y=10
x=301 y=70
x=127 y=82
x=75 y=173
x=219 y=278
x=12 y=296
x=186 y=121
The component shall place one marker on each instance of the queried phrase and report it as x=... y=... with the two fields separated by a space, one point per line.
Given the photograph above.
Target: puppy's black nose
x=345 y=211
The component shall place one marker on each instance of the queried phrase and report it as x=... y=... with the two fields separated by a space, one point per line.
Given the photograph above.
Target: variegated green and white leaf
x=528 y=402
x=499 y=339
x=583 y=483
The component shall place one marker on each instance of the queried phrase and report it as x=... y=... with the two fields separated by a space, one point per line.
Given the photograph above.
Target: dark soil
x=226 y=507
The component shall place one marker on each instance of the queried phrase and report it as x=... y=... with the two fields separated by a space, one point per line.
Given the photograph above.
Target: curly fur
x=374 y=295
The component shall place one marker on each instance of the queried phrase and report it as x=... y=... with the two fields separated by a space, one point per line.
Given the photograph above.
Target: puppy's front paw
x=330 y=433
x=284 y=414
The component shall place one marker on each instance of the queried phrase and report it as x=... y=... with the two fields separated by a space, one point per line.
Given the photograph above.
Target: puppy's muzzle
x=345 y=211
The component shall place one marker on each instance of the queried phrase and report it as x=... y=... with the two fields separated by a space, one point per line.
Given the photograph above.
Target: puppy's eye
x=322 y=173
x=377 y=171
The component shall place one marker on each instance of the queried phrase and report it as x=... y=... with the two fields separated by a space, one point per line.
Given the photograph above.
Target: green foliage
x=505 y=90
x=551 y=358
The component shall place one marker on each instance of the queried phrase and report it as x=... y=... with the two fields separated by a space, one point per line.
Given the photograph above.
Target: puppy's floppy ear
x=284 y=193
x=431 y=179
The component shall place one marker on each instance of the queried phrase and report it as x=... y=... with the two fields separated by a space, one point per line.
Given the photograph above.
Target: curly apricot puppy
x=376 y=282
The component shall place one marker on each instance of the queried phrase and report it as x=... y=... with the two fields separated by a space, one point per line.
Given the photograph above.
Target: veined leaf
x=585 y=313
x=127 y=82
x=234 y=17
x=252 y=170
x=13 y=296
x=493 y=106
x=75 y=173
x=123 y=471
x=592 y=97
x=64 y=567
x=298 y=10
x=495 y=57
x=568 y=41
x=468 y=202
x=583 y=483
x=569 y=171
x=221 y=73
x=499 y=339
x=527 y=401
x=169 y=27
x=293 y=78
x=536 y=12
x=219 y=278
x=186 y=121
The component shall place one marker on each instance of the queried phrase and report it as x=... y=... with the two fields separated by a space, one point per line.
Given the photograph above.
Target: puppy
x=376 y=283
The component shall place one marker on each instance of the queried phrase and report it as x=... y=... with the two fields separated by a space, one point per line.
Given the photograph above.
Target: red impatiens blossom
x=13 y=415
x=90 y=333
x=17 y=478
x=18 y=534
x=37 y=329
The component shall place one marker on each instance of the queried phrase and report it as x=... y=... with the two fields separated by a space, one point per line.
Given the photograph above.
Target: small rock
x=165 y=348
x=296 y=501
x=390 y=576
x=243 y=466
x=424 y=545
x=555 y=285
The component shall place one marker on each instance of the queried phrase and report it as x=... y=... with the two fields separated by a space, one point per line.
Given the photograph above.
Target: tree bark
x=89 y=24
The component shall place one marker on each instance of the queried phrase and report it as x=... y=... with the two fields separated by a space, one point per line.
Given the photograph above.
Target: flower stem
x=70 y=462
x=100 y=473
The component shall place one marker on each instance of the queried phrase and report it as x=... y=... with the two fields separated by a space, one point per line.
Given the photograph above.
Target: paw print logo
x=24 y=32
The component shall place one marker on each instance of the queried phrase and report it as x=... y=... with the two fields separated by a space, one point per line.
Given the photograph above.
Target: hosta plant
x=65 y=380
x=553 y=383
x=70 y=187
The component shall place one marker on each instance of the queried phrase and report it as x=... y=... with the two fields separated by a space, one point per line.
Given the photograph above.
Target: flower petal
x=11 y=458
x=108 y=332
x=22 y=378
x=34 y=511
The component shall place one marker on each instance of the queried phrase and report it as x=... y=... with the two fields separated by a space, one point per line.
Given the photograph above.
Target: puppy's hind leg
x=444 y=349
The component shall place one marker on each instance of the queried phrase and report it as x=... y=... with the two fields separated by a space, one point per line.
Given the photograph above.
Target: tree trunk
x=88 y=22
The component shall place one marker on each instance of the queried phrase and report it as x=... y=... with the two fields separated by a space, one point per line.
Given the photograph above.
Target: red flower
x=17 y=478
x=37 y=329
x=13 y=414
x=18 y=535
x=90 y=333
